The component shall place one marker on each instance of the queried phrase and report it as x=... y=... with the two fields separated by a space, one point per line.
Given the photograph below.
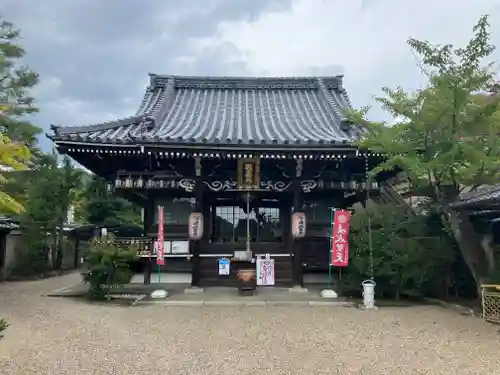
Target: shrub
x=3 y=327
x=404 y=255
x=107 y=266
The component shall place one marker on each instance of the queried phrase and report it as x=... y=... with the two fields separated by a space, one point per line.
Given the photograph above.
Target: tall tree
x=446 y=135
x=16 y=81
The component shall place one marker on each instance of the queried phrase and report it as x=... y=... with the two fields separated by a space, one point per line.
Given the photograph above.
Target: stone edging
x=450 y=306
x=201 y=303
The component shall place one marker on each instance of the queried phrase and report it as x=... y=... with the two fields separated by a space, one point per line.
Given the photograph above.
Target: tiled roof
x=7 y=223
x=228 y=110
x=485 y=194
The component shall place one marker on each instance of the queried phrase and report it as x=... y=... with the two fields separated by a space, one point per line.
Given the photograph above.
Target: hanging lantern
x=298 y=225
x=196 y=226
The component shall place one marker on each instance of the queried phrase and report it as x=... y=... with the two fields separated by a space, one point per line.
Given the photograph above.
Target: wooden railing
x=491 y=303
x=142 y=244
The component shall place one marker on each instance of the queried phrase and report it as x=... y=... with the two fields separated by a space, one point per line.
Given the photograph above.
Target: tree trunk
x=59 y=252
x=470 y=245
x=53 y=252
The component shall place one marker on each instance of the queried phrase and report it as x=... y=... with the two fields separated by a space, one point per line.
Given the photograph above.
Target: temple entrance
x=232 y=224
x=237 y=226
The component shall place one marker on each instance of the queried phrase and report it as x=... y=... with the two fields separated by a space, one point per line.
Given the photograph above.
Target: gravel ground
x=65 y=336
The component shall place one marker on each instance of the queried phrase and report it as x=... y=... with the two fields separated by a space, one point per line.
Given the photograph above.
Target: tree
x=108 y=266
x=14 y=156
x=105 y=209
x=15 y=83
x=51 y=192
x=446 y=135
x=403 y=252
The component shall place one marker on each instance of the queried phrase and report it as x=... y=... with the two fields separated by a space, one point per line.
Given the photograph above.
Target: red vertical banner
x=340 y=239
x=160 y=254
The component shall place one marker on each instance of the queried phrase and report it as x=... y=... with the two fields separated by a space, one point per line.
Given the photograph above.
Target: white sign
x=298 y=225
x=265 y=271
x=224 y=266
x=196 y=226
x=180 y=247
x=166 y=247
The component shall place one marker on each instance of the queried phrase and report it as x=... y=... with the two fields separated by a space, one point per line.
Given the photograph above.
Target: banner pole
x=159 y=274
x=329 y=285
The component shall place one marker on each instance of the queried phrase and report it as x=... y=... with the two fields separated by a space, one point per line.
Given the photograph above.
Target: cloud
x=363 y=39
x=94 y=55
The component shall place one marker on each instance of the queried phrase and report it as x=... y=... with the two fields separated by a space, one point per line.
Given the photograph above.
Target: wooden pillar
x=149 y=214
x=297 y=206
x=196 y=245
x=76 y=260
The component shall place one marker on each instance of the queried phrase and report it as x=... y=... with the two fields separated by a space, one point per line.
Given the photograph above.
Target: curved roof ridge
x=147 y=104
x=241 y=82
x=251 y=78
x=61 y=130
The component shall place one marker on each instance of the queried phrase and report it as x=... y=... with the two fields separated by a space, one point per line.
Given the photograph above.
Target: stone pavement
x=182 y=295
x=63 y=336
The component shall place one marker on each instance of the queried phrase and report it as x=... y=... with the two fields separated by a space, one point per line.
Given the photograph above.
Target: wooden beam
x=196 y=244
x=149 y=212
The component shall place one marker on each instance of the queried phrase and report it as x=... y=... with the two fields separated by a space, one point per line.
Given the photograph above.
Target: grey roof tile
x=485 y=194
x=228 y=110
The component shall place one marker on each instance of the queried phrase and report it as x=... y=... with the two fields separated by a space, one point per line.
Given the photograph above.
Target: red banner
x=160 y=254
x=340 y=239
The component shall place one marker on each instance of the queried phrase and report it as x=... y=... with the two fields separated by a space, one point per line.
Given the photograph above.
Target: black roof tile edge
x=136 y=142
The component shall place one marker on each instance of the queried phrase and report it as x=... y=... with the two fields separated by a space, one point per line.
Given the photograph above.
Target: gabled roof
x=227 y=110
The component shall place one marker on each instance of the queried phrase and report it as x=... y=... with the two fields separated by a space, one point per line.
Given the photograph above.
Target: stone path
x=67 y=336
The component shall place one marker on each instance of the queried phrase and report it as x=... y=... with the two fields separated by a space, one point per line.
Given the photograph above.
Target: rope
x=368 y=187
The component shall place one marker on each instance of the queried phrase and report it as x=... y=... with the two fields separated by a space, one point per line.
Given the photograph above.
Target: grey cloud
x=101 y=51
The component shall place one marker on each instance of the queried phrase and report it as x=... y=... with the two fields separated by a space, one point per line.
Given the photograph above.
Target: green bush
x=404 y=254
x=107 y=266
x=3 y=327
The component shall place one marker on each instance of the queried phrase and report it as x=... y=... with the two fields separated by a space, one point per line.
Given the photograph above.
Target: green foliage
x=3 y=327
x=403 y=252
x=16 y=83
x=15 y=156
x=107 y=266
x=445 y=136
x=446 y=133
x=49 y=192
x=104 y=209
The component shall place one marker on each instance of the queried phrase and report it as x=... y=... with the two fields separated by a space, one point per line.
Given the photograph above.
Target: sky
x=94 y=56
